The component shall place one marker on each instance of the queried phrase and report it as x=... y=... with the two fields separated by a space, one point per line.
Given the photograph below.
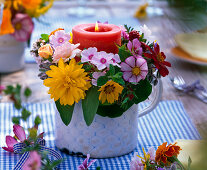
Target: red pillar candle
x=105 y=39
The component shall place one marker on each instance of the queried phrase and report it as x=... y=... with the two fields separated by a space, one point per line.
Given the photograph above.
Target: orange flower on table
x=164 y=152
x=6 y=26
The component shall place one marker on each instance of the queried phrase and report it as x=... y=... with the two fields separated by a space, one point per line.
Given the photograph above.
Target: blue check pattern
x=167 y=122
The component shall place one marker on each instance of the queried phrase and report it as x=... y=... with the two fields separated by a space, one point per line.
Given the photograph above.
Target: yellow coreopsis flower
x=110 y=92
x=141 y=11
x=67 y=82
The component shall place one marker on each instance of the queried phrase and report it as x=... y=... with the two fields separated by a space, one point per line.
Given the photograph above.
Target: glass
x=82 y=10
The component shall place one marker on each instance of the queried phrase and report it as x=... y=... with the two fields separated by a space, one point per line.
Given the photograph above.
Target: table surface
x=164 y=28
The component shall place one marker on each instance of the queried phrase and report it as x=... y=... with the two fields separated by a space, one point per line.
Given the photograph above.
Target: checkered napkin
x=167 y=122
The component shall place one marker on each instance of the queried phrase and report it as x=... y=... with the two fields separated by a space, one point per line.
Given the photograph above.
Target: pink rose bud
x=45 y=51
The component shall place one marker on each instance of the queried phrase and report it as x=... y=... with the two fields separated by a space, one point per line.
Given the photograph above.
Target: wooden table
x=164 y=28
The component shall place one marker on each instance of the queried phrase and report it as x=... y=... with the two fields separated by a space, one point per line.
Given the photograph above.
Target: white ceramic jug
x=105 y=137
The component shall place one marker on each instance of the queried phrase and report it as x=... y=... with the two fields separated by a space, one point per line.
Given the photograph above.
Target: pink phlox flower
x=88 y=54
x=66 y=51
x=96 y=75
x=124 y=34
x=59 y=38
x=134 y=69
x=23 y=25
x=33 y=162
x=102 y=60
x=135 y=47
x=136 y=163
x=85 y=165
x=115 y=59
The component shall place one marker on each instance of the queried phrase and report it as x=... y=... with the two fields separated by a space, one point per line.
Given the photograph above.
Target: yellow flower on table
x=67 y=82
x=141 y=11
x=110 y=92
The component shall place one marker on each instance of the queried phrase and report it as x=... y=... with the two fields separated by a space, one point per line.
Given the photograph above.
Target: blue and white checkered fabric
x=167 y=122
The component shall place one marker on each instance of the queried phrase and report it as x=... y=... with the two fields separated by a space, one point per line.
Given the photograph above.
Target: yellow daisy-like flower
x=110 y=92
x=67 y=82
x=141 y=11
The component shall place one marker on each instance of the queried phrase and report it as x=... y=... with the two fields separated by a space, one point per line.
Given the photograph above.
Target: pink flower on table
x=59 y=38
x=136 y=163
x=102 y=60
x=134 y=69
x=23 y=25
x=135 y=47
x=85 y=165
x=96 y=75
x=88 y=54
x=66 y=51
x=11 y=141
x=115 y=59
x=124 y=34
x=33 y=162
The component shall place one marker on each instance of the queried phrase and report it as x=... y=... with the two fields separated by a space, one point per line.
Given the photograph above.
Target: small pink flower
x=59 y=38
x=124 y=34
x=134 y=69
x=88 y=54
x=115 y=59
x=96 y=75
x=136 y=163
x=102 y=60
x=23 y=25
x=2 y=88
x=85 y=165
x=19 y=132
x=33 y=162
x=135 y=47
x=66 y=51
x=151 y=151
x=10 y=142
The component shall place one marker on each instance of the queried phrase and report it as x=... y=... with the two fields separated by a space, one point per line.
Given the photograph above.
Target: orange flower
x=31 y=4
x=6 y=26
x=45 y=51
x=163 y=152
x=53 y=32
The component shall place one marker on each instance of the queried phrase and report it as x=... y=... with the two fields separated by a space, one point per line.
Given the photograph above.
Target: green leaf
x=45 y=37
x=90 y=105
x=37 y=120
x=25 y=114
x=27 y=92
x=123 y=53
x=189 y=163
x=66 y=112
x=118 y=80
x=98 y=168
x=111 y=71
x=111 y=111
x=16 y=120
x=142 y=90
x=102 y=80
x=9 y=89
